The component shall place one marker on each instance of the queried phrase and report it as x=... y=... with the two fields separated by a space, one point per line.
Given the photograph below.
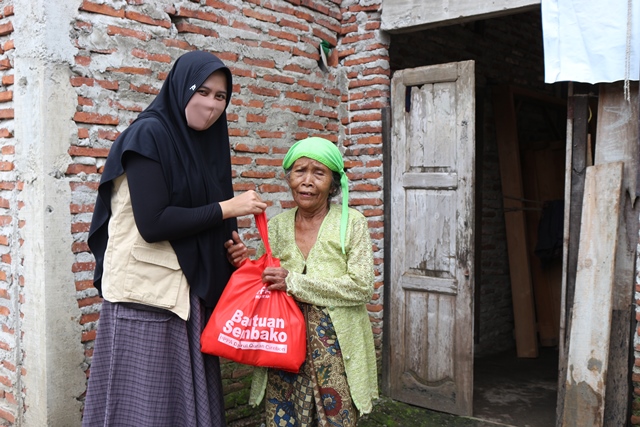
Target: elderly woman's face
x=310 y=183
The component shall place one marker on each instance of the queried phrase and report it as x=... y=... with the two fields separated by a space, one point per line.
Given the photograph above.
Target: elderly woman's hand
x=275 y=276
x=236 y=250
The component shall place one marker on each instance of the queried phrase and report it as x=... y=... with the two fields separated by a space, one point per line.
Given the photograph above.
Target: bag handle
x=261 y=223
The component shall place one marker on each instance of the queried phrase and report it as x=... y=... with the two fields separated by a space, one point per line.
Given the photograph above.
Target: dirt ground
x=390 y=413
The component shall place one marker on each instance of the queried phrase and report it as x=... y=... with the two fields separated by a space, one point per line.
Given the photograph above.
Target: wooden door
x=432 y=234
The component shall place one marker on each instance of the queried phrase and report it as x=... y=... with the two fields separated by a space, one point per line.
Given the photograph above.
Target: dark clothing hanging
x=550 y=231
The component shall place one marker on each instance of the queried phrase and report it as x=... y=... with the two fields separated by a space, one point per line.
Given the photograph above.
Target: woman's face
x=208 y=103
x=310 y=183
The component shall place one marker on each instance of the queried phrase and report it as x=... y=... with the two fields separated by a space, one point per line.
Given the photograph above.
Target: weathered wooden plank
x=577 y=136
x=512 y=190
x=438 y=74
x=386 y=295
x=617 y=136
x=590 y=334
x=405 y=15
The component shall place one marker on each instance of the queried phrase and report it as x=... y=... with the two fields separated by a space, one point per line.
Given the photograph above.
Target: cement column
x=44 y=103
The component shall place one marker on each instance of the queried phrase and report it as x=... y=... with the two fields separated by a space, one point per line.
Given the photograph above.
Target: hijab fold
x=196 y=167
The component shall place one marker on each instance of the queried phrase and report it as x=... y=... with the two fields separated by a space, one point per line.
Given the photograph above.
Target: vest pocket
x=153 y=276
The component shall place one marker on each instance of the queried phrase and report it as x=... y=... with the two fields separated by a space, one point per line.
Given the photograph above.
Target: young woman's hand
x=247 y=203
x=236 y=250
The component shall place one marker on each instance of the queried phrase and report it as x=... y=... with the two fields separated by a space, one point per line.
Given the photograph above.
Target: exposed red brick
x=261 y=161
x=256 y=118
x=6 y=113
x=221 y=5
x=5 y=133
x=252 y=13
x=263 y=91
x=157 y=57
x=113 y=30
x=144 y=89
x=284 y=35
x=78 y=247
x=110 y=135
x=82 y=285
x=272 y=188
x=75 y=208
x=180 y=44
x=301 y=96
x=83 y=133
x=6 y=96
x=244 y=148
x=310 y=125
x=102 y=9
x=80 y=227
x=88 y=336
x=146 y=19
x=131 y=70
x=243 y=186
x=74 y=169
x=202 y=15
x=315 y=55
x=85 y=302
x=257 y=174
x=297 y=69
x=270 y=134
x=185 y=27
x=292 y=24
x=294 y=108
x=91 y=317
x=6 y=415
x=276 y=46
x=94 y=118
x=235 y=160
x=238 y=132
x=6 y=28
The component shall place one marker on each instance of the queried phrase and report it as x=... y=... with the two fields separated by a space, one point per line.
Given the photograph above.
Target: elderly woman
x=327 y=266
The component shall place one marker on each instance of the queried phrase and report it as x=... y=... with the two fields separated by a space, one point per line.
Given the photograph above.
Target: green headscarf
x=325 y=152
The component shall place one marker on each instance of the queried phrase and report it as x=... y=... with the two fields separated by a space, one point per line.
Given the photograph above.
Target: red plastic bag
x=255 y=326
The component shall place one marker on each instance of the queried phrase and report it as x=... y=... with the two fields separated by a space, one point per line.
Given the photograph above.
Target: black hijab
x=197 y=171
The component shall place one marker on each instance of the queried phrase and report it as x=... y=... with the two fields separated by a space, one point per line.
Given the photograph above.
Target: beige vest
x=137 y=271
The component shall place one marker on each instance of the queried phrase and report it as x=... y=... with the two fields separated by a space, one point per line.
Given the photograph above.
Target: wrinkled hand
x=275 y=276
x=247 y=203
x=237 y=252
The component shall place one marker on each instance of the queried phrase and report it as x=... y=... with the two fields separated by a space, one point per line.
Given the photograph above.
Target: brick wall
x=11 y=294
x=280 y=95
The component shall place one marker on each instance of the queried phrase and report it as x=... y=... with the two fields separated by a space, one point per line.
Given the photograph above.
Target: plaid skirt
x=148 y=371
x=318 y=395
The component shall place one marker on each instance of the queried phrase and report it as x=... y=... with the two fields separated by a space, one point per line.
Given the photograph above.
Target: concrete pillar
x=44 y=103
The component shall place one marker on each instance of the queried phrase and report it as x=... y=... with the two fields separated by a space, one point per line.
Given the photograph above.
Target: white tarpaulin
x=591 y=41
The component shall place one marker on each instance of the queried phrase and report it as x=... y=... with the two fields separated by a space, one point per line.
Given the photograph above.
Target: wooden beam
x=590 y=333
x=515 y=222
x=578 y=117
x=617 y=140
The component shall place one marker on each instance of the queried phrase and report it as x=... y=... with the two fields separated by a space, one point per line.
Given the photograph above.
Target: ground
x=390 y=413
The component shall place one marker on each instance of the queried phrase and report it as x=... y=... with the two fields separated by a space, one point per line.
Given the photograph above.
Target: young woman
x=164 y=210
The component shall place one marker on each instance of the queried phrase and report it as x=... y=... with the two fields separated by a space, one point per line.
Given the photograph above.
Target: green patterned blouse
x=342 y=283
